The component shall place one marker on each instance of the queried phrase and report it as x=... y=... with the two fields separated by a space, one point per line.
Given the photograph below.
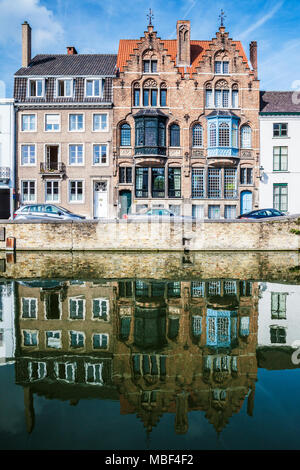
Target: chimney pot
x=71 y=50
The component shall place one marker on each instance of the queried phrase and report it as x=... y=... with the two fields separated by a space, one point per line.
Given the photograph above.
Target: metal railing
x=52 y=167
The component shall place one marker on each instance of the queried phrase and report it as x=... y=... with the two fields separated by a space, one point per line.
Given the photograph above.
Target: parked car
x=261 y=214
x=44 y=212
x=159 y=214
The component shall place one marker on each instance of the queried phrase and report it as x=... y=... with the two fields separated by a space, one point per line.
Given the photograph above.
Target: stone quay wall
x=122 y=235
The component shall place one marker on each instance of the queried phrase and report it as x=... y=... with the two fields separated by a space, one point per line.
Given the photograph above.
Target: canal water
x=149 y=351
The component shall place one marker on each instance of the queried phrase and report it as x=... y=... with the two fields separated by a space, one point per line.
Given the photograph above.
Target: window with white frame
x=28 y=155
x=100 y=309
x=76 y=309
x=221 y=67
x=51 y=191
x=76 y=191
x=64 y=88
x=75 y=122
x=100 y=341
x=28 y=191
x=29 y=307
x=37 y=370
x=224 y=133
x=246 y=137
x=235 y=97
x=65 y=371
x=197 y=135
x=30 y=337
x=93 y=373
x=52 y=122
x=209 y=97
x=53 y=339
x=76 y=154
x=28 y=122
x=94 y=87
x=36 y=88
x=100 y=154
x=100 y=122
x=76 y=339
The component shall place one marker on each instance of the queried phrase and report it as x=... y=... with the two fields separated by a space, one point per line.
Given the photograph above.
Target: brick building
x=185 y=125
x=63 y=129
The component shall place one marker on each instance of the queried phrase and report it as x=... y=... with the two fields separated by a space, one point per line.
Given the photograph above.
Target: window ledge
x=281 y=137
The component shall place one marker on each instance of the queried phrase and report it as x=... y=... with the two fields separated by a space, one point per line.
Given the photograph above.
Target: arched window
x=163 y=94
x=208 y=96
x=136 y=95
x=224 y=133
x=234 y=135
x=221 y=67
x=212 y=135
x=150 y=93
x=222 y=94
x=174 y=135
x=197 y=135
x=246 y=135
x=125 y=135
x=235 y=97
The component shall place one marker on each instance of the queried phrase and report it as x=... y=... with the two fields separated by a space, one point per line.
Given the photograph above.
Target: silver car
x=159 y=214
x=44 y=212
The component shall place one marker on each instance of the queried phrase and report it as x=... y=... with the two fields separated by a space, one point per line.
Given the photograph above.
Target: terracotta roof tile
x=198 y=49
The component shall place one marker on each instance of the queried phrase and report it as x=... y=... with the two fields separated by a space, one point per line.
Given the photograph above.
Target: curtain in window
x=246 y=137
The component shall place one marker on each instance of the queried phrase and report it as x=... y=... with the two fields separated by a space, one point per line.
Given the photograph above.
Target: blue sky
x=95 y=26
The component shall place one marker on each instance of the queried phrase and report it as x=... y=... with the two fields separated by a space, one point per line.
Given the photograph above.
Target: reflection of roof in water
x=42 y=283
x=275 y=357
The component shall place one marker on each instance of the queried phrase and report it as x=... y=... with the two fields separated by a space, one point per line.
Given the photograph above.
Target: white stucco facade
x=279 y=315
x=284 y=182
x=7 y=156
x=7 y=322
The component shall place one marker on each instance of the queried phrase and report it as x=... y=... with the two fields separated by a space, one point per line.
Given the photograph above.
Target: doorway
x=125 y=202
x=100 y=199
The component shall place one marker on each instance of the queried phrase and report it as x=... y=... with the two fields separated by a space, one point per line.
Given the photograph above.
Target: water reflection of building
x=171 y=346
x=186 y=346
x=64 y=341
x=7 y=315
x=278 y=325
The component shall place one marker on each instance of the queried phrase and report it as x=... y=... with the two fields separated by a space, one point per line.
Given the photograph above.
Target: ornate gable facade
x=186 y=134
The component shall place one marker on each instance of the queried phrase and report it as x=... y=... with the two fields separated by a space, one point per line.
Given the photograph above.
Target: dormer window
x=150 y=66
x=93 y=88
x=36 y=88
x=221 y=67
x=64 y=88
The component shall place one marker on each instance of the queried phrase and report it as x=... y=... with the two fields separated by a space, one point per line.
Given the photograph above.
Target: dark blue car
x=261 y=214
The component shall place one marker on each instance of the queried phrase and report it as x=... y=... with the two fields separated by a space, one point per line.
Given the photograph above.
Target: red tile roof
x=198 y=49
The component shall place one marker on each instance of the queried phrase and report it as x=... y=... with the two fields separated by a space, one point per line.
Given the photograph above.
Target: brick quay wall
x=237 y=235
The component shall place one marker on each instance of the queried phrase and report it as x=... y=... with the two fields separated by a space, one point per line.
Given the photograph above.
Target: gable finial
x=150 y=16
x=222 y=16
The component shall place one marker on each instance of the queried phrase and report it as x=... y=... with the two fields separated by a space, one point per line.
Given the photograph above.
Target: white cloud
x=261 y=21
x=46 y=30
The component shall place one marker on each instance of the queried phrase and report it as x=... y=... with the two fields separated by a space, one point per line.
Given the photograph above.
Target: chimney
x=71 y=50
x=26 y=44
x=253 y=57
x=183 y=43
